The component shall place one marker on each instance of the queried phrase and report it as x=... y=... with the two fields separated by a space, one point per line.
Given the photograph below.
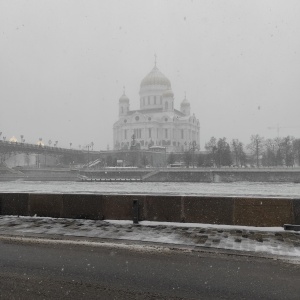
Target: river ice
x=169 y=188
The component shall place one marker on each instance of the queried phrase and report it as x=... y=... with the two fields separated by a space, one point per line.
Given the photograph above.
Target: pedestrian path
x=262 y=241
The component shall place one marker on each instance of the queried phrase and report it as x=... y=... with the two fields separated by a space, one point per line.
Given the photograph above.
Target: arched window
x=122 y=111
x=166 y=105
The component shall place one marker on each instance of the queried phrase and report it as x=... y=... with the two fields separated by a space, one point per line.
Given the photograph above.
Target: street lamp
x=193 y=147
x=88 y=146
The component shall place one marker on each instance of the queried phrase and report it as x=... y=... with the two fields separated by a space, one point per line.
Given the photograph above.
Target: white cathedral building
x=157 y=122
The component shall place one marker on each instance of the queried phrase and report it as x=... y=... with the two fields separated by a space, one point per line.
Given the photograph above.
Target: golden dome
x=13 y=139
x=124 y=98
x=185 y=102
x=155 y=77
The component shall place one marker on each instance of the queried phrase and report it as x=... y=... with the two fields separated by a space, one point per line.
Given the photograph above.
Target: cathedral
x=157 y=122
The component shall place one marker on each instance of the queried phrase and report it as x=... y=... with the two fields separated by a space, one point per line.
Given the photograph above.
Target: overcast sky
x=63 y=65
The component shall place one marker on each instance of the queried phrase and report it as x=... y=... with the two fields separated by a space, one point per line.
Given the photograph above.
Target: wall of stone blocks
x=244 y=211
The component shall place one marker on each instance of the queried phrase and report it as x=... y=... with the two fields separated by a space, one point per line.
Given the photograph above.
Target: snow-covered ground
x=261 y=241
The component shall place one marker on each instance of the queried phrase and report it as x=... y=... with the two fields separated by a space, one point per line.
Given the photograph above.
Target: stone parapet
x=246 y=211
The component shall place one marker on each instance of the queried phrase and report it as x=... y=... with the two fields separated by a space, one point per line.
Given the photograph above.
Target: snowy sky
x=63 y=65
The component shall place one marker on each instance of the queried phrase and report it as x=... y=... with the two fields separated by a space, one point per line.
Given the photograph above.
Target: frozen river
x=166 y=188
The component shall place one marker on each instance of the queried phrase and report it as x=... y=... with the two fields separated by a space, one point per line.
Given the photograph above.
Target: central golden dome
x=155 y=77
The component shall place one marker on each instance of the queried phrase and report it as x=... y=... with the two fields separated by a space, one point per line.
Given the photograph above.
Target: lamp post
x=193 y=147
x=40 y=145
x=1 y=155
x=214 y=149
x=88 y=147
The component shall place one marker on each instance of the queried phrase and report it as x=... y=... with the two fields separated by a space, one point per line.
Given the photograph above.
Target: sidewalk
x=261 y=241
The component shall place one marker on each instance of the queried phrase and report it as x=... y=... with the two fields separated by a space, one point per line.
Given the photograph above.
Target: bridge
x=9 y=149
x=15 y=147
x=42 y=155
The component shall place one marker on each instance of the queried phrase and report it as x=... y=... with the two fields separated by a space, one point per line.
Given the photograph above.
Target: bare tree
x=223 y=153
x=256 y=147
x=211 y=147
x=269 y=154
x=238 y=152
x=287 y=150
x=187 y=158
x=171 y=158
x=296 y=149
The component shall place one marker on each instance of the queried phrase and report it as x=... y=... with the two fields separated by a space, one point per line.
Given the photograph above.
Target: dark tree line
x=283 y=151
x=220 y=153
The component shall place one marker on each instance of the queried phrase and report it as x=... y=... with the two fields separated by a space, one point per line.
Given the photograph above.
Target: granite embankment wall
x=253 y=175
x=159 y=175
x=115 y=174
x=49 y=175
x=190 y=209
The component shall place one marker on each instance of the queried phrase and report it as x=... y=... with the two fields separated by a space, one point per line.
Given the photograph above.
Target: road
x=30 y=270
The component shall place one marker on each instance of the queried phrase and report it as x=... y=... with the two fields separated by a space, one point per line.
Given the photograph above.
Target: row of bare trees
x=283 y=151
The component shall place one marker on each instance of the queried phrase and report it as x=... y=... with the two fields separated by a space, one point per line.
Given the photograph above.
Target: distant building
x=157 y=122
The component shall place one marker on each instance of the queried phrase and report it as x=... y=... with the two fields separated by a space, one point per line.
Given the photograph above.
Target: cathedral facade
x=157 y=122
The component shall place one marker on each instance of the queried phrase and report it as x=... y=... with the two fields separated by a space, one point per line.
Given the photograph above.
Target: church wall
x=161 y=133
x=151 y=93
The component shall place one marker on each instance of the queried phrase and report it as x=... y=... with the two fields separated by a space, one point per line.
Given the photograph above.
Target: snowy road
x=51 y=258
x=56 y=271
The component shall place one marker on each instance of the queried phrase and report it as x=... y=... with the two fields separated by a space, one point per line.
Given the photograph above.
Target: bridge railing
x=15 y=146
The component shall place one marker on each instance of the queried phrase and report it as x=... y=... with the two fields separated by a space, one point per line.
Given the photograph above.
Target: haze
x=63 y=65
